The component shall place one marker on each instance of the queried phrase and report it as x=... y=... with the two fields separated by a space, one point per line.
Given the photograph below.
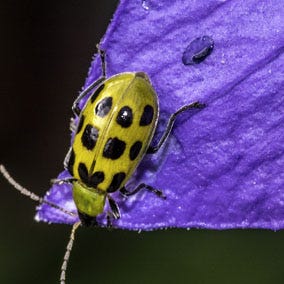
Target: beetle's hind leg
x=195 y=105
x=141 y=186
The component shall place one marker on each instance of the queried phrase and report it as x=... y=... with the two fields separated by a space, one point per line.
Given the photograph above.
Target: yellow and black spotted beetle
x=113 y=133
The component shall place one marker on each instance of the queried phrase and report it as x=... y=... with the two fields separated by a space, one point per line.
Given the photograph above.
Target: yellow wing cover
x=114 y=131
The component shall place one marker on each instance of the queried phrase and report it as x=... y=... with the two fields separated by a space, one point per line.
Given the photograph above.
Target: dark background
x=45 y=52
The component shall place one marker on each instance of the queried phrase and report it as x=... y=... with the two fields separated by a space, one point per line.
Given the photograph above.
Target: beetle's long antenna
x=30 y=194
x=67 y=252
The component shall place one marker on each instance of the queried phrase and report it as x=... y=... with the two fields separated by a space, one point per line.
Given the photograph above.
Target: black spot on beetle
x=135 y=150
x=95 y=179
x=96 y=93
x=81 y=122
x=116 y=182
x=147 y=116
x=124 y=117
x=104 y=106
x=114 y=148
x=83 y=173
x=71 y=162
x=90 y=180
x=90 y=136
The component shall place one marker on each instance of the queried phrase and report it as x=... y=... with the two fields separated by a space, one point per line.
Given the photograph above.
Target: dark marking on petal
x=95 y=179
x=125 y=117
x=71 y=162
x=81 y=122
x=96 y=93
x=104 y=106
x=90 y=136
x=114 y=148
x=198 y=50
x=147 y=116
x=135 y=150
x=116 y=182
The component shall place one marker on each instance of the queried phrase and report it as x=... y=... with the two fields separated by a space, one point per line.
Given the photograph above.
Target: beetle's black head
x=87 y=220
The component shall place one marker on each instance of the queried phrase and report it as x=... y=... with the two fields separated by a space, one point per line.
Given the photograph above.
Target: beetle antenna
x=30 y=194
x=67 y=253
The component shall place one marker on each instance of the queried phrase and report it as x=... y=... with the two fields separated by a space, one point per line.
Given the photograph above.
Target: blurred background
x=45 y=53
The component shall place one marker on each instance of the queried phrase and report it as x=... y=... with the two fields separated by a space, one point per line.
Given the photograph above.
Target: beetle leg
x=127 y=193
x=75 y=107
x=67 y=158
x=195 y=105
x=115 y=212
x=65 y=163
x=102 y=54
x=109 y=223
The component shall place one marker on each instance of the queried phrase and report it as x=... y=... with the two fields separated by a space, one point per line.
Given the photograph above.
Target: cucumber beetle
x=113 y=132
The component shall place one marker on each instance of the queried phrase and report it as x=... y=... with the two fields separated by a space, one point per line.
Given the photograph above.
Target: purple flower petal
x=223 y=166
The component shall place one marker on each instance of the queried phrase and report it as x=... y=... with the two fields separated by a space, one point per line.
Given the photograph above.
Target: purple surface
x=223 y=166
